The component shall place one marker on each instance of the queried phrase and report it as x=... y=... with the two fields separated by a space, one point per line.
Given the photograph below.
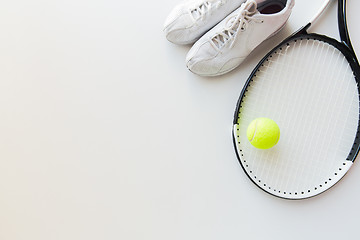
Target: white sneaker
x=189 y=20
x=225 y=46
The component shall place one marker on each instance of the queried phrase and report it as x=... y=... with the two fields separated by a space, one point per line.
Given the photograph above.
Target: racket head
x=309 y=85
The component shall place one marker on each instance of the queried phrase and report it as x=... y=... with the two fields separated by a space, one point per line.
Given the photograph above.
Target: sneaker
x=189 y=20
x=226 y=46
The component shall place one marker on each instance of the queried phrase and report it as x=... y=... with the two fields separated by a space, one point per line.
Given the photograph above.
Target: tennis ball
x=263 y=133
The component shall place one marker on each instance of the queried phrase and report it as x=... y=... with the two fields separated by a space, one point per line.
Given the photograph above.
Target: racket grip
x=320 y=11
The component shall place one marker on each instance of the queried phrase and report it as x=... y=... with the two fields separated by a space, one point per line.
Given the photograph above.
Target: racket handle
x=321 y=10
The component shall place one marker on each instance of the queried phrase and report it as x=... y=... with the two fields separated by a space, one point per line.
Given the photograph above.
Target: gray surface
x=104 y=134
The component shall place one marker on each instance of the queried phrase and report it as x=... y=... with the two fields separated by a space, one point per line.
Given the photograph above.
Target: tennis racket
x=309 y=85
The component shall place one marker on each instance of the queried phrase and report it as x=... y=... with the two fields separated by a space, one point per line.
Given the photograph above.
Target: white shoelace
x=201 y=11
x=235 y=24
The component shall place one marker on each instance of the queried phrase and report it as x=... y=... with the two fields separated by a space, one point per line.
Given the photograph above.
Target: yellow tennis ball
x=263 y=133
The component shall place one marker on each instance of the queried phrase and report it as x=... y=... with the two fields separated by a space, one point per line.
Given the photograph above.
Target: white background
x=104 y=133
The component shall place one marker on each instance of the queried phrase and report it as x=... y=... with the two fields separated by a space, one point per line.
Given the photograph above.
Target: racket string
x=324 y=89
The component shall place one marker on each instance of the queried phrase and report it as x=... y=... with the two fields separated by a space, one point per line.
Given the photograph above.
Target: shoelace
x=236 y=23
x=201 y=10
